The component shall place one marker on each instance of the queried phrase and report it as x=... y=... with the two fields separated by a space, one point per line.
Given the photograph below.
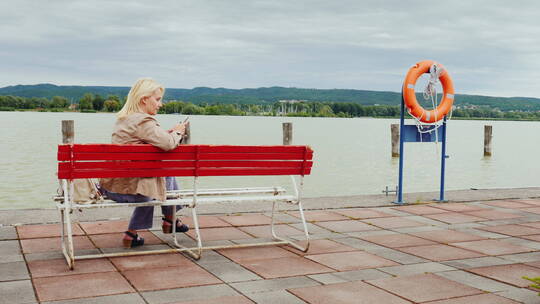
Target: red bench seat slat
x=107 y=160
x=90 y=173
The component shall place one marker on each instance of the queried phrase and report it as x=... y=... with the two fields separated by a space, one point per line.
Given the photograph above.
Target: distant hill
x=268 y=95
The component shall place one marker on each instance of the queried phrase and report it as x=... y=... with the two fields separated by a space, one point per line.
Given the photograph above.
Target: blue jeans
x=142 y=217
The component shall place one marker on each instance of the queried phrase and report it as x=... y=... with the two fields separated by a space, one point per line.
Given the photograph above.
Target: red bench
x=78 y=161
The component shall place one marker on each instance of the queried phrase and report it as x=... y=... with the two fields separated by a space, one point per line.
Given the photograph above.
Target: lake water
x=352 y=156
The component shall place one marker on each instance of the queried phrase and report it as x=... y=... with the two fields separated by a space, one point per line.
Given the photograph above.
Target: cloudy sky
x=489 y=47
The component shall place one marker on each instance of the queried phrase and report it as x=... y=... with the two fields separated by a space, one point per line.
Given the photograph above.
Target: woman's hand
x=180 y=128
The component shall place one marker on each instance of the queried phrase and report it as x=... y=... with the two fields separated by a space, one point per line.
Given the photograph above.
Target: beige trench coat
x=141 y=128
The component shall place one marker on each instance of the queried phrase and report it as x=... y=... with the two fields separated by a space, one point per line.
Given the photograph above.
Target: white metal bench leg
x=65 y=219
x=289 y=242
x=189 y=251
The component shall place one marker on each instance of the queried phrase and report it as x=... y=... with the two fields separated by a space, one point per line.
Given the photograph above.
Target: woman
x=136 y=125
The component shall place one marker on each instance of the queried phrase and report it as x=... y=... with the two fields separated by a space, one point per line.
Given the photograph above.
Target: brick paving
x=438 y=253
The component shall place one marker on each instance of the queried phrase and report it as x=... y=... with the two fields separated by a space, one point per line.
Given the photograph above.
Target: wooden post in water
x=187 y=136
x=488 y=135
x=394 y=130
x=68 y=131
x=287 y=133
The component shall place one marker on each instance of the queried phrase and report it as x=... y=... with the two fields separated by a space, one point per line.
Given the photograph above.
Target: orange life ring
x=409 y=96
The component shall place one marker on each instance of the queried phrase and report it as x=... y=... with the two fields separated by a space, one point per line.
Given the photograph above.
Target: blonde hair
x=144 y=87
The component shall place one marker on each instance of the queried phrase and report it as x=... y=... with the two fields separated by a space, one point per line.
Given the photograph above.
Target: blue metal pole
x=443 y=159
x=401 y=128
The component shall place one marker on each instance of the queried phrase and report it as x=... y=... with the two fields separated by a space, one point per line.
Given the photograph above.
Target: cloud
x=490 y=47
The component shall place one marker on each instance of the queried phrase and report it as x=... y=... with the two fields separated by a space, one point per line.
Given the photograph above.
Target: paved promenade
x=438 y=253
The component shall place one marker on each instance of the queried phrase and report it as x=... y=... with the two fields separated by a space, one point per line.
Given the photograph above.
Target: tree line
x=112 y=103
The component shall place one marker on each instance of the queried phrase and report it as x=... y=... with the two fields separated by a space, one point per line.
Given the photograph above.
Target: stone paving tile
x=284 y=267
x=59 y=267
x=393 y=222
x=477 y=299
x=188 y=294
x=273 y=284
x=447 y=236
x=343 y=293
x=535 y=210
x=10 y=251
x=81 y=286
x=17 y=292
x=493 y=214
x=55 y=255
x=284 y=218
x=169 y=277
x=458 y=207
x=130 y=298
x=13 y=271
x=8 y=233
x=440 y=252
x=483 y=234
x=411 y=269
x=533 y=202
x=330 y=235
x=312 y=229
x=477 y=262
x=347 y=226
x=280 y=296
x=521 y=295
x=475 y=281
x=319 y=216
x=492 y=247
x=44 y=231
x=419 y=209
x=363 y=274
x=101 y=227
x=320 y=246
x=508 y=204
x=362 y=213
x=512 y=230
x=412 y=230
x=355 y=260
x=397 y=256
x=205 y=221
x=454 y=218
x=425 y=287
x=349 y=276
x=256 y=253
x=151 y=261
x=426 y=221
x=522 y=257
x=531 y=224
x=397 y=240
x=230 y=272
x=511 y=274
x=524 y=241
x=216 y=234
x=534 y=264
x=54 y=244
x=220 y=300
x=265 y=231
x=246 y=219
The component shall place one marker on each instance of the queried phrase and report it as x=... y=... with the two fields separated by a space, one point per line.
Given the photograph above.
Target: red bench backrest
x=107 y=160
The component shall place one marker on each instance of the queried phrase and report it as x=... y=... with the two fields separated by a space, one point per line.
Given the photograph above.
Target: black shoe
x=135 y=241
x=168 y=228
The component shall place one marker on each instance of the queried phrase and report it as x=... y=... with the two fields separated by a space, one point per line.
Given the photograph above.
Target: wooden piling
x=68 y=131
x=394 y=130
x=187 y=136
x=287 y=133
x=488 y=135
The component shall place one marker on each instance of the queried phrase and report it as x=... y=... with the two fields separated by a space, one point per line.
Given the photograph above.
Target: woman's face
x=152 y=103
